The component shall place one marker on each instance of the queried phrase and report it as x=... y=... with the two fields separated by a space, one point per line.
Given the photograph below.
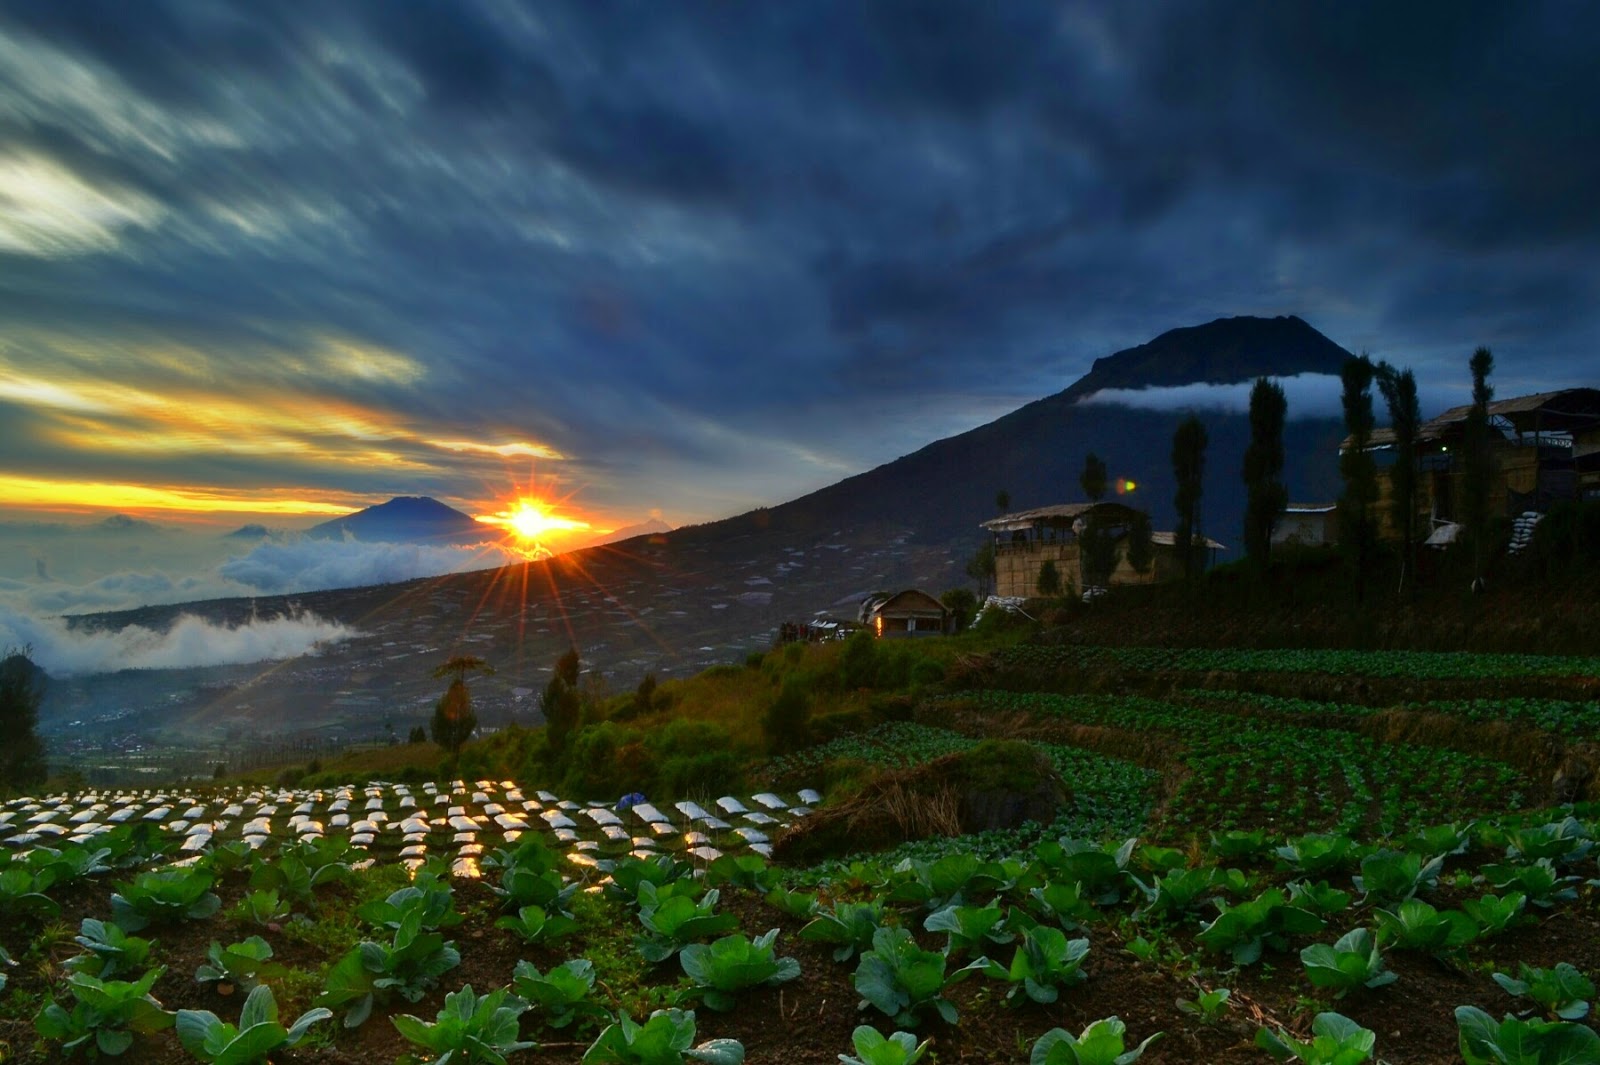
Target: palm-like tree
x=453 y=718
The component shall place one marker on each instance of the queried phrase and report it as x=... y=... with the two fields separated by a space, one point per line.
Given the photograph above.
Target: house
x=1544 y=448
x=1308 y=524
x=1025 y=540
x=907 y=613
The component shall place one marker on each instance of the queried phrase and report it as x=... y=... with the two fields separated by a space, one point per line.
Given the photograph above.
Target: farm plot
x=1417 y=947
x=1571 y=719
x=1109 y=796
x=455 y=821
x=1241 y=772
x=1412 y=665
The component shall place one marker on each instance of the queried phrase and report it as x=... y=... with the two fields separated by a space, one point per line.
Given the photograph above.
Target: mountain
x=252 y=531
x=405 y=519
x=941 y=492
x=649 y=527
x=122 y=523
x=1222 y=352
x=673 y=603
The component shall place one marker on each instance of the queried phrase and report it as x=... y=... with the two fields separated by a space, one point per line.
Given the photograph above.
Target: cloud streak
x=190 y=642
x=304 y=565
x=53 y=575
x=1309 y=395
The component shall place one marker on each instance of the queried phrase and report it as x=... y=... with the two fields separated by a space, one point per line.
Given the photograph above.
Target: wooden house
x=1544 y=448
x=1025 y=540
x=905 y=614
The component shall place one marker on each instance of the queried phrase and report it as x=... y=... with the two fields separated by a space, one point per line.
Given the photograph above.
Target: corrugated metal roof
x=1580 y=405
x=1057 y=514
x=1564 y=409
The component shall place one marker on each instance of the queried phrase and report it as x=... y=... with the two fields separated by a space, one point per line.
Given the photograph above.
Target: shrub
x=712 y=771
x=788 y=719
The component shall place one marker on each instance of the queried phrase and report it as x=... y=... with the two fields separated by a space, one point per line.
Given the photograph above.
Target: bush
x=683 y=737
x=788 y=719
x=858 y=666
x=926 y=671
x=708 y=773
x=591 y=765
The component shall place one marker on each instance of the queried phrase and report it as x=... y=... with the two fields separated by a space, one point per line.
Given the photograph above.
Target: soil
x=809 y=1020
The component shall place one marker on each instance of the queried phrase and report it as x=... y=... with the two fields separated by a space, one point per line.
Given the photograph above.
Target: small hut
x=907 y=613
x=1309 y=524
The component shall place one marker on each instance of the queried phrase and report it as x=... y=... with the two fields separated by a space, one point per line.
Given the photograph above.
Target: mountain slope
x=676 y=602
x=405 y=519
x=1036 y=453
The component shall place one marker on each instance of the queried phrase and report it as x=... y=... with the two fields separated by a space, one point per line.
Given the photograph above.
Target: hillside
x=940 y=492
x=677 y=602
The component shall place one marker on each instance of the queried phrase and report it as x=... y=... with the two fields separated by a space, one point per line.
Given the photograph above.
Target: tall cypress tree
x=1399 y=388
x=1188 y=471
x=1477 y=463
x=1360 y=473
x=1097 y=550
x=561 y=704
x=1265 y=494
x=1093 y=478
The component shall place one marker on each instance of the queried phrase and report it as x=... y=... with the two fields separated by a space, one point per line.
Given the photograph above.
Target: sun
x=531 y=520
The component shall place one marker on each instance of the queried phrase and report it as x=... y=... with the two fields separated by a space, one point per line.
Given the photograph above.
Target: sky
x=273 y=262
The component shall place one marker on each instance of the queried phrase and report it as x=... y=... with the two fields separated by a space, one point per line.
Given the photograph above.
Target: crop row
x=1242 y=771
x=1568 y=718
x=1022 y=908
x=1415 y=665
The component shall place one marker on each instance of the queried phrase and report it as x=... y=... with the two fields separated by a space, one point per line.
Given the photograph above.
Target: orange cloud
x=43 y=492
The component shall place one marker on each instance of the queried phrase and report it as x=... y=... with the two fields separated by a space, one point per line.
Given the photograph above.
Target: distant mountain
x=650 y=527
x=252 y=532
x=122 y=523
x=405 y=519
x=941 y=492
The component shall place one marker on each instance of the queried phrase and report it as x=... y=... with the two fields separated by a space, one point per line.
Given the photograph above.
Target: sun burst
x=531 y=521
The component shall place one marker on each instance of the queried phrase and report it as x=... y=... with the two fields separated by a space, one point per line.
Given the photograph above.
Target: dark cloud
x=694 y=246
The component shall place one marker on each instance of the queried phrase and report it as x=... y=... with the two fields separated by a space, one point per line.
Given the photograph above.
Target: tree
x=962 y=605
x=1188 y=471
x=1477 y=462
x=1093 y=478
x=1357 y=536
x=1049 y=584
x=22 y=762
x=644 y=696
x=1265 y=494
x=1141 y=551
x=561 y=704
x=1399 y=388
x=453 y=718
x=980 y=567
x=1097 y=552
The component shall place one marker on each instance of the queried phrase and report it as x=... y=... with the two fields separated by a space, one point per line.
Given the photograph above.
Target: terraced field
x=1235 y=877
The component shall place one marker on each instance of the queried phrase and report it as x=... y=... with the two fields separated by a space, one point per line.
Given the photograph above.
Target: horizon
x=271 y=267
